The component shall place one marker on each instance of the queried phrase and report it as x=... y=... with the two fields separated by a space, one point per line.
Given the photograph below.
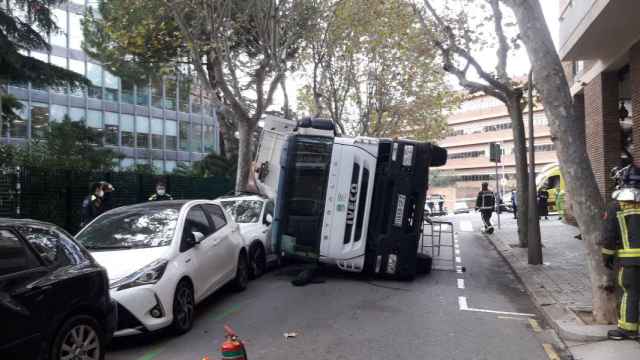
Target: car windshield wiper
x=109 y=247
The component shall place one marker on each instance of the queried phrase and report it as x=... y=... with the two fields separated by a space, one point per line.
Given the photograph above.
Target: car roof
x=18 y=222
x=247 y=196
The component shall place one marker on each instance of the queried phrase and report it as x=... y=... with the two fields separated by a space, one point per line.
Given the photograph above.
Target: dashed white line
x=459 y=269
x=457 y=251
x=458 y=259
x=460 y=283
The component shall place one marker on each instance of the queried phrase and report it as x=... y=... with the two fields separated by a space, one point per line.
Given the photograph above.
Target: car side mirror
x=197 y=237
x=268 y=219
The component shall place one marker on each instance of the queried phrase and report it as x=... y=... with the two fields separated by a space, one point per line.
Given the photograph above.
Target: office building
x=162 y=122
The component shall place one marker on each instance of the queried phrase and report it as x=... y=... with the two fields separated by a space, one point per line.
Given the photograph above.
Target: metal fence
x=56 y=195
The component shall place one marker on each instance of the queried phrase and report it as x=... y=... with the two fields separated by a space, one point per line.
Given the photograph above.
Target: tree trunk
x=568 y=134
x=522 y=179
x=246 y=129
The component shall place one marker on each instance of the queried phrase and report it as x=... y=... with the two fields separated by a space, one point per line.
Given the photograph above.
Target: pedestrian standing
x=107 y=199
x=486 y=203
x=92 y=205
x=514 y=203
x=622 y=245
x=543 y=203
x=161 y=193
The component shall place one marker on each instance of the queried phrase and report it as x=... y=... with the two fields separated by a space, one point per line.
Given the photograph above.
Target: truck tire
x=423 y=264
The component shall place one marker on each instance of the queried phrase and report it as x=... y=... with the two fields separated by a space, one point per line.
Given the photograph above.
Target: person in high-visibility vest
x=486 y=203
x=621 y=245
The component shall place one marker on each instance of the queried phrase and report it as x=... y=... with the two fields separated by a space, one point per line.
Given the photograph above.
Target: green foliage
x=21 y=29
x=68 y=146
x=376 y=74
x=135 y=39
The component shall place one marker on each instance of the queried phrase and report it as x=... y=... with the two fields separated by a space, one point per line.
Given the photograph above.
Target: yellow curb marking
x=551 y=353
x=535 y=325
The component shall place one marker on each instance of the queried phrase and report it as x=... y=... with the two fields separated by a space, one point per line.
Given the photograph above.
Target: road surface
x=483 y=313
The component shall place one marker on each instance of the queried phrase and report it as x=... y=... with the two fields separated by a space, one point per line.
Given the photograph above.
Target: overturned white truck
x=353 y=202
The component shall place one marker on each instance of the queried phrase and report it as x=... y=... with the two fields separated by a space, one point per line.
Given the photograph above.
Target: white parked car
x=163 y=258
x=254 y=215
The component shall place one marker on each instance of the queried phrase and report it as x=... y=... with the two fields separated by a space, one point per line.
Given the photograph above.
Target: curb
x=563 y=320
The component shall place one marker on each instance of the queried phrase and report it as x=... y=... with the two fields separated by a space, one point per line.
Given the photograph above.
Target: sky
x=518 y=63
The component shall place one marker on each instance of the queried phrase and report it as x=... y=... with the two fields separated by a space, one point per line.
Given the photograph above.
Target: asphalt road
x=347 y=317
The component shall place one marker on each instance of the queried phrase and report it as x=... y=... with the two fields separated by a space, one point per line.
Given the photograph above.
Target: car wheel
x=258 y=260
x=242 y=274
x=183 y=308
x=80 y=337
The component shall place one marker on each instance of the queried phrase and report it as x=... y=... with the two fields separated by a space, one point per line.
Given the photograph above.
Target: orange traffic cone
x=232 y=348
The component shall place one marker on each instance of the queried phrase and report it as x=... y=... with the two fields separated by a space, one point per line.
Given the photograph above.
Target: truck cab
x=352 y=202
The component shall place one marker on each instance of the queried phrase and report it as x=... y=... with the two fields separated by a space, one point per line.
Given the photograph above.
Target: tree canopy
x=23 y=25
x=373 y=72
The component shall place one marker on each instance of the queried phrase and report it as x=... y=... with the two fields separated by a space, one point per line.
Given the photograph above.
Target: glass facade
x=160 y=122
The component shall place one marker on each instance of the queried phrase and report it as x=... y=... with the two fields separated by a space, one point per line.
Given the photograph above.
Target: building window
x=196 y=137
x=57 y=112
x=466 y=155
x=142 y=95
x=126 y=128
x=94 y=119
x=111 y=83
x=497 y=127
x=171 y=134
x=196 y=104
x=142 y=132
x=59 y=62
x=169 y=166
x=184 y=88
x=94 y=74
x=39 y=120
x=457 y=132
x=127 y=163
x=184 y=135
x=158 y=166
x=59 y=38
x=76 y=114
x=476 y=177
x=545 y=147
x=208 y=138
x=78 y=67
x=75 y=31
x=111 y=128
x=170 y=94
x=44 y=58
x=156 y=93
x=127 y=91
x=156 y=133
x=18 y=126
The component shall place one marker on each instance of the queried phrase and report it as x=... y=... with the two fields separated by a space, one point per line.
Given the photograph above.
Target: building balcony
x=600 y=30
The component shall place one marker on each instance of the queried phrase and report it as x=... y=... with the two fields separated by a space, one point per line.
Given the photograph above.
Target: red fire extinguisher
x=232 y=348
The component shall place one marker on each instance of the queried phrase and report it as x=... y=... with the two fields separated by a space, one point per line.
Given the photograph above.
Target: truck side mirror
x=268 y=219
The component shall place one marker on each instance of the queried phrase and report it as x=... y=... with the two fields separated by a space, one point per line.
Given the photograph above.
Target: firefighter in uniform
x=485 y=203
x=161 y=193
x=622 y=243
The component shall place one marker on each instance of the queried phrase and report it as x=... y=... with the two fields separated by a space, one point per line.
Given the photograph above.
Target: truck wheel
x=423 y=264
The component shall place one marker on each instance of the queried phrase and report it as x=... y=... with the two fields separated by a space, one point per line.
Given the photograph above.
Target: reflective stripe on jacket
x=622 y=232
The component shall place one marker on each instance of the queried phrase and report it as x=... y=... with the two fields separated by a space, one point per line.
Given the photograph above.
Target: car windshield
x=138 y=227
x=244 y=211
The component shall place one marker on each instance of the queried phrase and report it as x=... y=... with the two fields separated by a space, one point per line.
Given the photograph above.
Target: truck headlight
x=149 y=274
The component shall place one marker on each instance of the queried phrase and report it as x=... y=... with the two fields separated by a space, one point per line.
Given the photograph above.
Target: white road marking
x=457 y=251
x=466 y=226
x=464 y=306
x=458 y=259
x=460 y=283
x=459 y=269
x=456 y=245
x=511 y=318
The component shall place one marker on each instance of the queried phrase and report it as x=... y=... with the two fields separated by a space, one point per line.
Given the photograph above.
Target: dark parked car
x=54 y=297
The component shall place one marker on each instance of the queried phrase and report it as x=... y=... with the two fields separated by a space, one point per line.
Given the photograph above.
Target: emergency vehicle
x=352 y=202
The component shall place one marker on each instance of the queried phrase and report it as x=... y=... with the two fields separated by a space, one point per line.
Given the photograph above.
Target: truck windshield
x=307 y=180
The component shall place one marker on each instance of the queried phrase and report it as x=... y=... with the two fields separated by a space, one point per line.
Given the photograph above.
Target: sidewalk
x=560 y=286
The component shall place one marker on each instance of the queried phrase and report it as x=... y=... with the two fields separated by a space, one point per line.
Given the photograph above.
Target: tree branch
x=503 y=45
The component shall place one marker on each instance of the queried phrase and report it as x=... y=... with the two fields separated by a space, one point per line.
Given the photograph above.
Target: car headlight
x=150 y=274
